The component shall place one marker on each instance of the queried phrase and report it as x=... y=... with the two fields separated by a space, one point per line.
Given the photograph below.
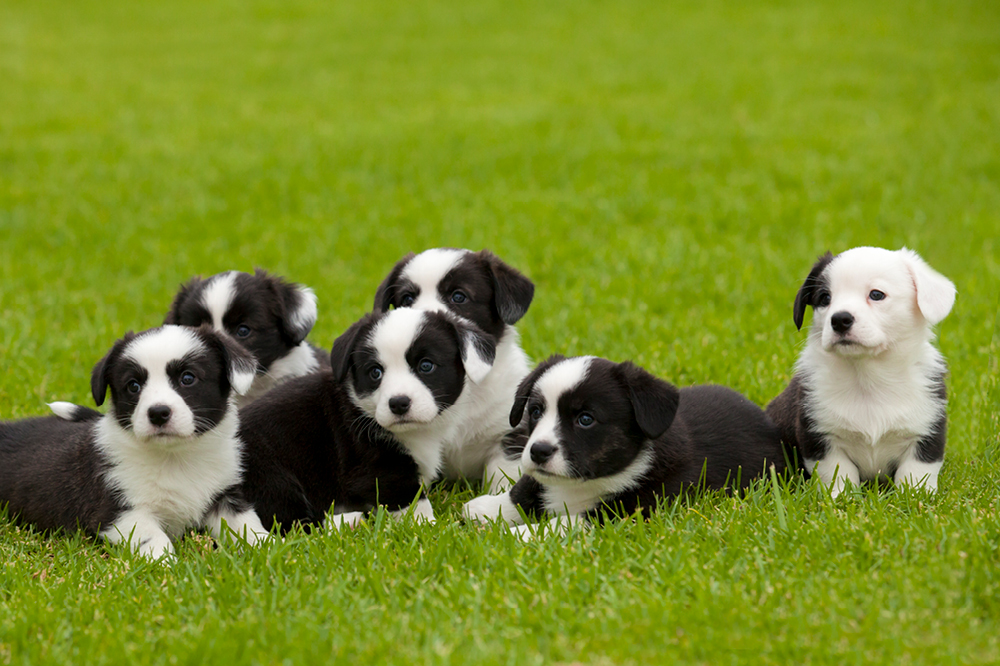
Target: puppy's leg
x=835 y=470
x=557 y=526
x=244 y=524
x=337 y=521
x=142 y=531
x=423 y=511
x=917 y=474
x=501 y=474
x=489 y=507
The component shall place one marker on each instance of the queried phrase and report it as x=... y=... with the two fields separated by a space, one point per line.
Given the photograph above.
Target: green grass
x=665 y=172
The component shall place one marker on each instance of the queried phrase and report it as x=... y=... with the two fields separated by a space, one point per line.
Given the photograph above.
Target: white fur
x=225 y=524
x=490 y=507
x=571 y=496
x=426 y=270
x=557 y=380
x=873 y=389
x=153 y=353
x=217 y=296
x=301 y=360
x=304 y=316
x=64 y=410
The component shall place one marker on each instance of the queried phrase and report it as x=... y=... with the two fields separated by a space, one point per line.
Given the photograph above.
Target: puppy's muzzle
x=541 y=452
x=841 y=322
x=159 y=415
x=399 y=404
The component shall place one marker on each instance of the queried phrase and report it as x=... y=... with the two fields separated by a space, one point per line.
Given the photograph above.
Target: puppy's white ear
x=241 y=364
x=935 y=292
x=478 y=351
x=241 y=375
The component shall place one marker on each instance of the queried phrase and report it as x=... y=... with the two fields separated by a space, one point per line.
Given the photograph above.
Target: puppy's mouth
x=403 y=424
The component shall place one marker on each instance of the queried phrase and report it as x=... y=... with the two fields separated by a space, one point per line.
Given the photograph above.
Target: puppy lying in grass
x=612 y=436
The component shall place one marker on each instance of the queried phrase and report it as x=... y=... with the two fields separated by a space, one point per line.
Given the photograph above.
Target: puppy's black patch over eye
x=876 y=295
x=407 y=300
x=133 y=386
x=459 y=297
x=585 y=419
x=426 y=366
x=188 y=379
x=375 y=374
x=242 y=331
x=823 y=299
x=535 y=413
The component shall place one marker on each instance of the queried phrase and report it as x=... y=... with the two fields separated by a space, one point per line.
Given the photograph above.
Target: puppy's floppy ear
x=100 y=377
x=343 y=347
x=385 y=296
x=478 y=349
x=241 y=366
x=935 y=292
x=296 y=307
x=183 y=294
x=807 y=293
x=527 y=386
x=654 y=401
x=512 y=291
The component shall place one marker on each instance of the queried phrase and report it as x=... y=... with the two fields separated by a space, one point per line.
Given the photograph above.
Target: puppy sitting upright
x=368 y=432
x=268 y=316
x=611 y=434
x=868 y=396
x=165 y=458
x=479 y=287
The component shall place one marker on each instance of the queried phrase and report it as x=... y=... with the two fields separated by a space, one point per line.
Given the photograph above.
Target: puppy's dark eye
x=876 y=295
x=242 y=331
x=133 y=387
x=585 y=420
x=426 y=366
x=459 y=297
x=406 y=301
x=535 y=413
x=823 y=299
x=188 y=379
x=375 y=374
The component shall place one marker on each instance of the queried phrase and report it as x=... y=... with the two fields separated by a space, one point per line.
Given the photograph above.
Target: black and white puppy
x=370 y=431
x=611 y=435
x=268 y=316
x=164 y=459
x=868 y=396
x=481 y=288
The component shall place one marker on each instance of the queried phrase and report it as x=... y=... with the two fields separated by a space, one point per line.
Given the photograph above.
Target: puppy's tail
x=68 y=411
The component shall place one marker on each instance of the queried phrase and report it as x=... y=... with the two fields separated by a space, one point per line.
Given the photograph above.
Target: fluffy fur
x=868 y=397
x=603 y=435
x=481 y=288
x=268 y=316
x=165 y=457
x=369 y=431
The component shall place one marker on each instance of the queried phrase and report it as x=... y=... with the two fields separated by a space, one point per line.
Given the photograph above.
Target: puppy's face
x=474 y=285
x=589 y=418
x=868 y=300
x=172 y=382
x=262 y=312
x=406 y=367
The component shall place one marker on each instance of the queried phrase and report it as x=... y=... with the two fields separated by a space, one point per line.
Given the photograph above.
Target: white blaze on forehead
x=392 y=336
x=169 y=343
x=217 y=296
x=426 y=270
x=554 y=382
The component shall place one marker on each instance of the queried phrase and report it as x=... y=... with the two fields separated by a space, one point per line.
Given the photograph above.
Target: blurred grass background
x=666 y=172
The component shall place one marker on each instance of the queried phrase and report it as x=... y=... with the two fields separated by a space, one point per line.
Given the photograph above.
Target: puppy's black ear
x=296 y=307
x=241 y=366
x=479 y=349
x=183 y=294
x=100 y=377
x=654 y=401
x=807 y=293
x=385 y=296
x=527 y=385
x=512 y=291
x=343 y=347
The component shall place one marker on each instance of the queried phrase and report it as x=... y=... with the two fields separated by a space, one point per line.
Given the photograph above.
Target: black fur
x=702 y=436
x=810 y=289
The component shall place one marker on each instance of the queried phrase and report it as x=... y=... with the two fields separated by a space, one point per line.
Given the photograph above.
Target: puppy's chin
x=162 y=437
x=401 y=425
x=545 y=476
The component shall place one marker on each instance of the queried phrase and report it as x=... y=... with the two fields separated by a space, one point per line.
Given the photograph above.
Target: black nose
x=159 y=414
x=841 y=322
x=541 y=452
x=399 y=404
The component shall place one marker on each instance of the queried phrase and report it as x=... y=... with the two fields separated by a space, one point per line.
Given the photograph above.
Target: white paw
x=349 y=519
x=487 y=508
x=525 y=532
x=156 y=547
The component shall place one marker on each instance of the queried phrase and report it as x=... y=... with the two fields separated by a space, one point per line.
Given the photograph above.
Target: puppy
x=369 y=431
x=165 y=457
x=610 y=435
x=479 y=287
x=868 y=396
x=268 y=316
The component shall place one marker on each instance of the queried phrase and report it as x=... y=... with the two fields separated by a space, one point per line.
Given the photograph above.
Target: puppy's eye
x=406 y=301
x=823 y=299
x=242 y=331
x=133 y=387
x=188 y=379
x=375 y=374
x=426 y=366
x=876 y=295
x=585 y=420
x=535 y=413
x=459 y=297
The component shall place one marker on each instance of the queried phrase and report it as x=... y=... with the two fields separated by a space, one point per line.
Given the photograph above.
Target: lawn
x=666 y=173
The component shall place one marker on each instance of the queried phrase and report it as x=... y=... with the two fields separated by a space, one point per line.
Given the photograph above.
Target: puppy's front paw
x=156 y=547
x=349 y=519
x=525 y=532
x=487 y=508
